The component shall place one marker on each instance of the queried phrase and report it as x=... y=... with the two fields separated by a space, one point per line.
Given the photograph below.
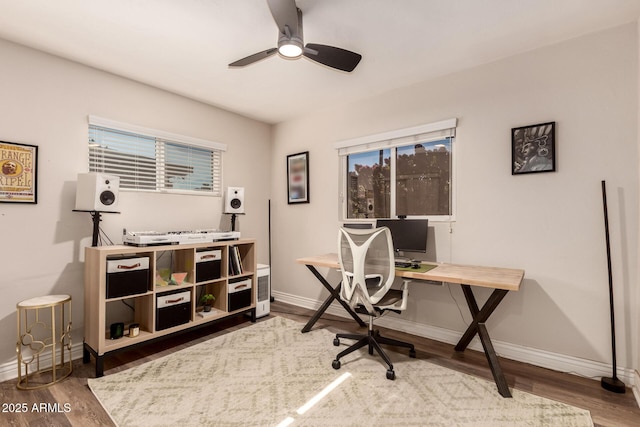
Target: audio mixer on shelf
x=146 y=238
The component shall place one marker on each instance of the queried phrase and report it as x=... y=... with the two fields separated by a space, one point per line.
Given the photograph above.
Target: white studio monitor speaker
x=234 y=200
x=370 y=205
x=97 y=192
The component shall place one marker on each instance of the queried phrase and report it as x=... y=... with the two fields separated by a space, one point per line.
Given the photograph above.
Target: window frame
x=392 y=140
x=163 y=137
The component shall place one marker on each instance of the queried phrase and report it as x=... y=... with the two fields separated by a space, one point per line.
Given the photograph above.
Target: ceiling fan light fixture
x=290 y=48
x=288 y=19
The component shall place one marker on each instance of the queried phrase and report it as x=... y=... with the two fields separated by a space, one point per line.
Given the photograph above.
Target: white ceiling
x=184 y=46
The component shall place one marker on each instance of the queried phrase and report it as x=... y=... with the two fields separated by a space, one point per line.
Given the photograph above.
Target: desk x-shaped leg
x=334 y=295
x=477 y=326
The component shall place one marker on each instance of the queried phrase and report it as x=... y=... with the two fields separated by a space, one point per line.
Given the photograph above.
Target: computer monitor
x=409 y=235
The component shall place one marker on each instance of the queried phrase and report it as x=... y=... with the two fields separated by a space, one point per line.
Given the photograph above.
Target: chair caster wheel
x=336 y=342
x=412 y=354
x=391 y=375
x=336 y=365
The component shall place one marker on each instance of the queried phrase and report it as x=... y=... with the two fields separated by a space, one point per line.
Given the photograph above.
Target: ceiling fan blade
x=333 y=57
x=285 y=13
x=254 y=58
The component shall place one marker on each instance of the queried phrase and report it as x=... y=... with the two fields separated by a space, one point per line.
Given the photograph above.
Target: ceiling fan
x=291 y=43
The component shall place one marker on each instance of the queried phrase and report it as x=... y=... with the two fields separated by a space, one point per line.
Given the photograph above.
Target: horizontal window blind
x=150 y=163
x=397 y=138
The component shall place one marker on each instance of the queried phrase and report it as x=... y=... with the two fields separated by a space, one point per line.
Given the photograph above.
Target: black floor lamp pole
x=612 y=384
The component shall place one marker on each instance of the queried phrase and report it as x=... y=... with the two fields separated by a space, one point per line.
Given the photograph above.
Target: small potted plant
x=207 y=300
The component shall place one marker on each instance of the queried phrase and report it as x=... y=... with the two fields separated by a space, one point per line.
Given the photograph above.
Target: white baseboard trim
x=636 y=387
x=9 y=370
x=545 y=359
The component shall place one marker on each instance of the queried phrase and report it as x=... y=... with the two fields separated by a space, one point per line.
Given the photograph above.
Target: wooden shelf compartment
x=170 y=261
x=210 y=264
x=218 y=289
x=138 y=309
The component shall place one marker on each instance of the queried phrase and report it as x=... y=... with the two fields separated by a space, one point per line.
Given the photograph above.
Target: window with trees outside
x=408 y=173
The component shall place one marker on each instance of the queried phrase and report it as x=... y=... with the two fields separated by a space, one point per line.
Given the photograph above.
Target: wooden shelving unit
x=141 y=305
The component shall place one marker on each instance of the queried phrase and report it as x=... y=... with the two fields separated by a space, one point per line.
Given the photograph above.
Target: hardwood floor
x=71 y=403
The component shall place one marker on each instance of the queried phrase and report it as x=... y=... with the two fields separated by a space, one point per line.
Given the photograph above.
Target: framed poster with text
x=18 y=169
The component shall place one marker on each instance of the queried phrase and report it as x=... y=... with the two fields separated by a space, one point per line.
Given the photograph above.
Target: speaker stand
x=234 y=216
x=96 y=216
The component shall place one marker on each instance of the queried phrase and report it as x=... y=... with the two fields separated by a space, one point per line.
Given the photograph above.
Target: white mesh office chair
x=368 y=270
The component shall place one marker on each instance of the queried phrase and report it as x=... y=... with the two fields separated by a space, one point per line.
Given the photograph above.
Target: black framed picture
x=298 y=178
x=533 y=148
x=18 y=173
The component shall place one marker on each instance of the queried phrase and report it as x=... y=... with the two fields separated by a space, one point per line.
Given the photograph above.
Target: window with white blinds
x=157 y=161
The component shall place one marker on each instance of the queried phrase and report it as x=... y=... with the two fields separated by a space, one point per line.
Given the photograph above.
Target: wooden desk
x=501 y=280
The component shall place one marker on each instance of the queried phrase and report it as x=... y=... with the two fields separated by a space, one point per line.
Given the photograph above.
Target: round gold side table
x=44 y=341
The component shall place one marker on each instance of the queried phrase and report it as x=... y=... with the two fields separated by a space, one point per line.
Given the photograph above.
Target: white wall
x=549 y=224
x=45 y=102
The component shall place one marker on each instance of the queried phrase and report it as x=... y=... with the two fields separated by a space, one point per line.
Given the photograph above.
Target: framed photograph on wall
x=298 y=178
x=18 y=173
x=533 y=148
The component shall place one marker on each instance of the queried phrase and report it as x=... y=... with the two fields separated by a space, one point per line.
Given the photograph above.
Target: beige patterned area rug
x=271 y=374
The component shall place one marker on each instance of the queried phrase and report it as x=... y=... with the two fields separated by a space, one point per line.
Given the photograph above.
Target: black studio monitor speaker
x=97 y=192
x=234 y=200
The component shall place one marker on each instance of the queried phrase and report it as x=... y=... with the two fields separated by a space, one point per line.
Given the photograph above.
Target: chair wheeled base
x=373 y=339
